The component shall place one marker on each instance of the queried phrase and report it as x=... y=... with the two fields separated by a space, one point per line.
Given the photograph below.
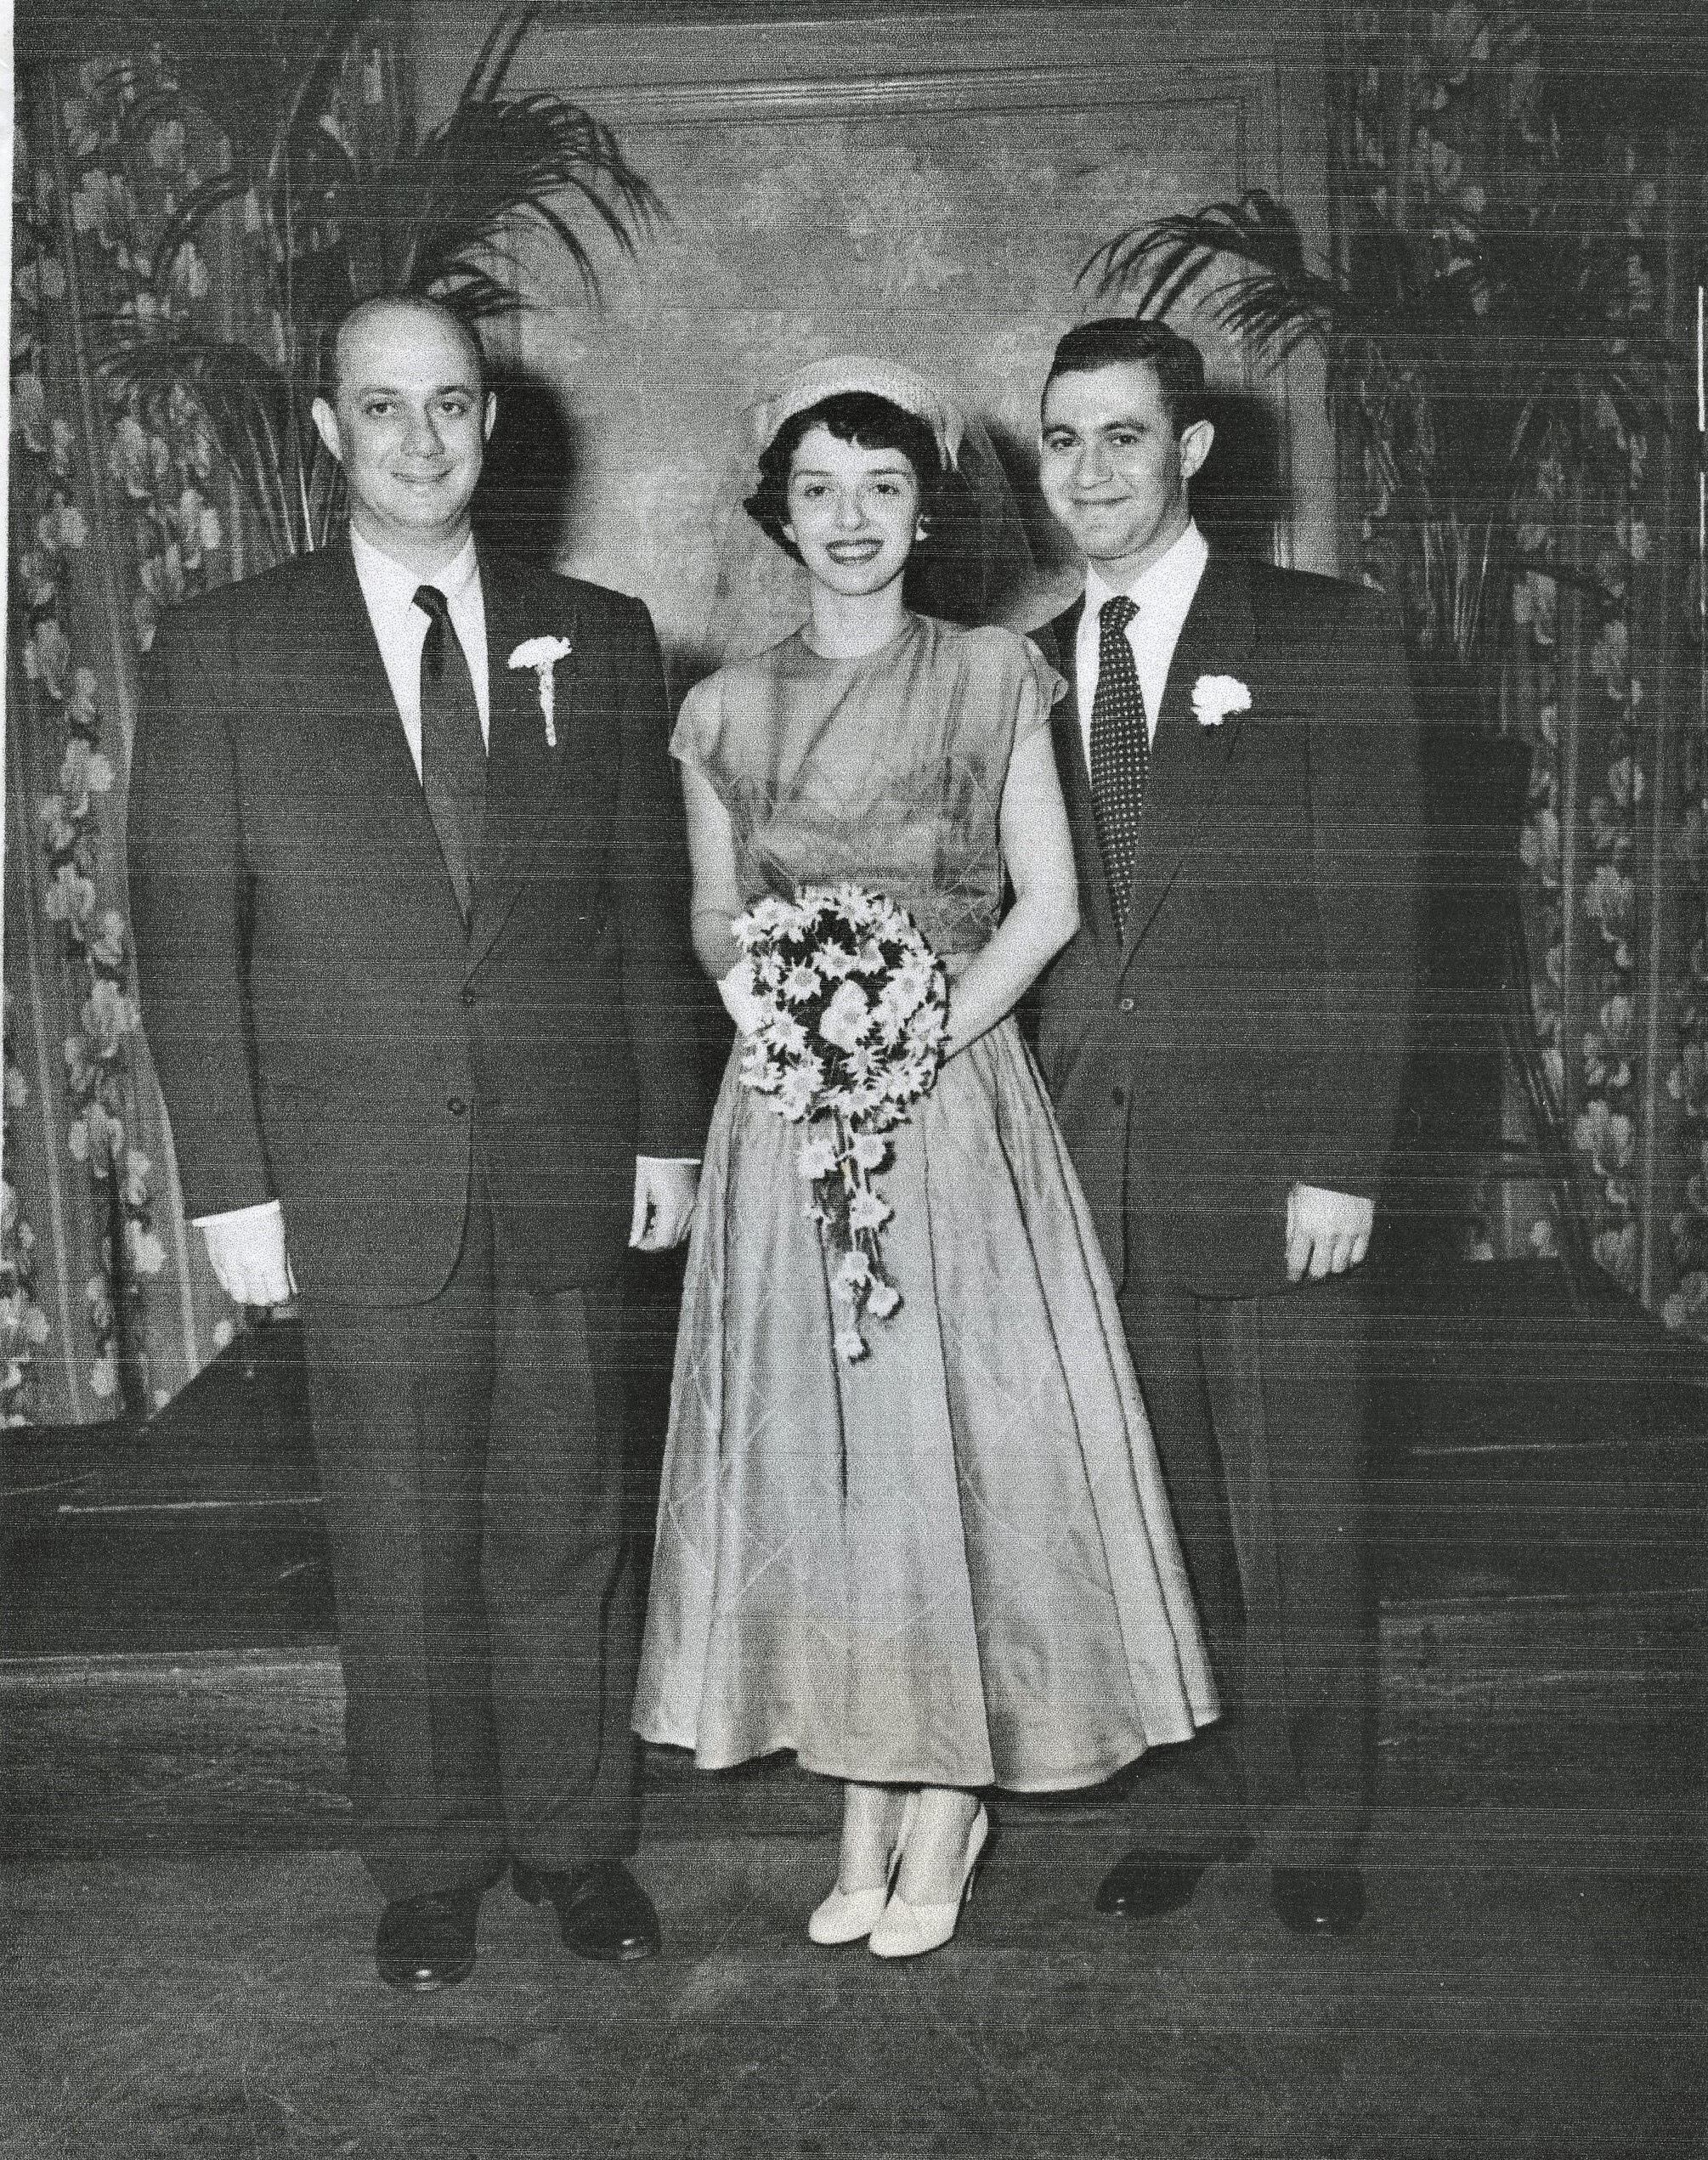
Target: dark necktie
x=1120 y=750
x=453 y=755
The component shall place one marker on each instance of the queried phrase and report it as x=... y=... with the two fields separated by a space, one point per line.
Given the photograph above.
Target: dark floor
x=1495 y=2003
x=186 y=1939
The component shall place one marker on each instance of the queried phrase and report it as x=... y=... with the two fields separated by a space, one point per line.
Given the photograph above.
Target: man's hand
x=663 y=1203
x=1326 y=1232
x=246 y=1252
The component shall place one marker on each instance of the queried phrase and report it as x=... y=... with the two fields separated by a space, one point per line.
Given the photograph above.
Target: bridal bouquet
x=853 y=1011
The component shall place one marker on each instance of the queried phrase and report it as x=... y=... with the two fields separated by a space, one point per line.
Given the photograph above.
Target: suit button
x=1119 y=1098
x=456 y=1105
x=467 y=995
x=1127 y=1004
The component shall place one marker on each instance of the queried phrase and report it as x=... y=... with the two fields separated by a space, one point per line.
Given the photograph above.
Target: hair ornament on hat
x=889 y=379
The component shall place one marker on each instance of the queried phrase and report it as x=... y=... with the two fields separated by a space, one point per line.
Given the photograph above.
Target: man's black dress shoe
x=1318 y=1901
x=603 y=1912
x=428 y=1943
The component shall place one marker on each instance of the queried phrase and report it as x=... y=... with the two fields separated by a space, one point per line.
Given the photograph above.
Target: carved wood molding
x=970 y=91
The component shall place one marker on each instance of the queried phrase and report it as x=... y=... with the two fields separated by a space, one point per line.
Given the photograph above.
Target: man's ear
x=326 y=427
x=1194 y=446
x=490 y=420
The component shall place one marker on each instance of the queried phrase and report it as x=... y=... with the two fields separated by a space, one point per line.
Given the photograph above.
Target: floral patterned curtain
x=107 y=1305
x=1452 y=119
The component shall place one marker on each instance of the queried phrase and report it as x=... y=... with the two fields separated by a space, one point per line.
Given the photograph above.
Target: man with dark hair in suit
x=1224 y=1040
x=409 y=892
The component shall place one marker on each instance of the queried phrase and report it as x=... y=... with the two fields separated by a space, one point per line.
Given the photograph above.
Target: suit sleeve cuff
x=1327 y=1179
x=256 y=1214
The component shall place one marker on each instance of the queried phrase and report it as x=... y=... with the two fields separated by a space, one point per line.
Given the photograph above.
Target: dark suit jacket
x=325 y=1031
x=1250 y=1028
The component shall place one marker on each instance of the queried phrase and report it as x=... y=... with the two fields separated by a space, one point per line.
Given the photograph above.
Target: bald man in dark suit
x=410 y=892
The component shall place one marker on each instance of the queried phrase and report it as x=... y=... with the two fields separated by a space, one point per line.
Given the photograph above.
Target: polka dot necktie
x=1120 y=750
x=453 y=755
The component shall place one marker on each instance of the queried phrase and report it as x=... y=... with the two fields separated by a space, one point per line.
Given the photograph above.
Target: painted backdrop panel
x=949 y=238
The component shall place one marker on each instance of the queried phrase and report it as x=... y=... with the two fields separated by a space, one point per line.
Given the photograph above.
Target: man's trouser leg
x=398 y=1397
x=560 y=1575
x=1259 y=1407
x=1190 y=1800
x=1287 y=1377
x=470 y=1458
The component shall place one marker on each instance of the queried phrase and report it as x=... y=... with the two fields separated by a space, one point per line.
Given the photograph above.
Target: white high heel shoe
x=905 y=1931
x=850 y=1916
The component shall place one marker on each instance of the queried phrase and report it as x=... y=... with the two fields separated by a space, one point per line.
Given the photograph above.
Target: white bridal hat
x=821 y=378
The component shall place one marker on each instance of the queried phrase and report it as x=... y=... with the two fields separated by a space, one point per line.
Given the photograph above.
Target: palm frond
x=311 y=87
x=1464 y=359
x=191 y=214
x=1465 y=570
x=438 y=214
x=1278 y=303
x=245 y=402
x=502 y=43
x=493 y=160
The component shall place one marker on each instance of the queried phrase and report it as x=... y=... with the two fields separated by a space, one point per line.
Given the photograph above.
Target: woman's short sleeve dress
x=951 y=1561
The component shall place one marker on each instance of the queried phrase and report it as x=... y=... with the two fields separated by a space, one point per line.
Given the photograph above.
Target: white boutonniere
x=1215 y=695
x=542 y=654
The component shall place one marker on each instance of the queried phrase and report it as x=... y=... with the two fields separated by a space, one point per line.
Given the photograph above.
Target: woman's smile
x=853 y=512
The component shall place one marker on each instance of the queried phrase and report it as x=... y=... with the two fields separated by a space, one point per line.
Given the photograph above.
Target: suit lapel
x=346 y=684
x=522 y=770
x=1189 y=761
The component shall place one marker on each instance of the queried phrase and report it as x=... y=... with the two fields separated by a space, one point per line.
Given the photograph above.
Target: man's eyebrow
x=395 y=390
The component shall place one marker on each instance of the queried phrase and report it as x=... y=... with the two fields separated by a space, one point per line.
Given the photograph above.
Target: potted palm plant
x=333 y=222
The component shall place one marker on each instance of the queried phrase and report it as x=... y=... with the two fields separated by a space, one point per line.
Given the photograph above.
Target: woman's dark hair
x=856 y=416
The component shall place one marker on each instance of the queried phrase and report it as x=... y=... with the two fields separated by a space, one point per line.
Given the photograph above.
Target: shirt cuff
x=256 y=1213
x=684 y=1161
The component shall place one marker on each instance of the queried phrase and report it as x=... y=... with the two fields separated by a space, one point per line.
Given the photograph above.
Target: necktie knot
x=435 y=608
x=1114 y=615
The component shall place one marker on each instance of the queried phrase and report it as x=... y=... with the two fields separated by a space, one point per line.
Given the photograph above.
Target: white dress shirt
x=1162 y=593
x=400 y=628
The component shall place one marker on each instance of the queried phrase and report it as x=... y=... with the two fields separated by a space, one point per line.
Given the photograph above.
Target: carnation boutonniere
x=1215 y=695
x=542 y=654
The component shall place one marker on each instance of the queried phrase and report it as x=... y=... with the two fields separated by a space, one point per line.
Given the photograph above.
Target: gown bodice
x=886 y=771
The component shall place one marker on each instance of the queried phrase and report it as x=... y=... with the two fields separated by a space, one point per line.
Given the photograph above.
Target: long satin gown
x=952 y=1562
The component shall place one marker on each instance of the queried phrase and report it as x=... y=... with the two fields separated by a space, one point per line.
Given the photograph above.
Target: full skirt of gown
x=950 y=1562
